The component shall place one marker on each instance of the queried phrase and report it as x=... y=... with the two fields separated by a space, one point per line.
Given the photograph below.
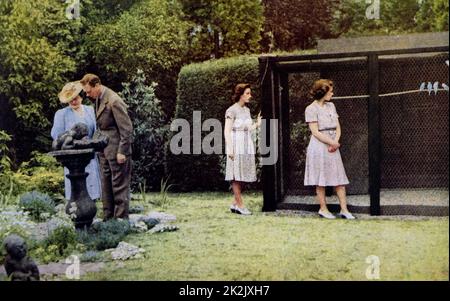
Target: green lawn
x=213 y=244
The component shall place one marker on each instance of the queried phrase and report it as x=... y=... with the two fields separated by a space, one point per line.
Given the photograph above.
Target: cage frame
x=274 y=73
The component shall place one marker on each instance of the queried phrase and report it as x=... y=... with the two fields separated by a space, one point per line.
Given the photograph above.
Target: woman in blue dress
x=64 y=120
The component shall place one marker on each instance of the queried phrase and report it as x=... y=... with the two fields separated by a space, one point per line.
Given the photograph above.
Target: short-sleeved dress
x=323 y=168
x=64 y=120
x=243 y=167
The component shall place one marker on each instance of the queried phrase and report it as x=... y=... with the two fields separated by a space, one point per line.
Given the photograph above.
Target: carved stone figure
x=66 y=140
x=77 y=138
x=17 y=264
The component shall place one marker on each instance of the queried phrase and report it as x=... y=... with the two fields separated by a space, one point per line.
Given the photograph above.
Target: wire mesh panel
x=414 y=128
x=349 y=79
x=350 y=90
x=299 y=133
x=414 y=124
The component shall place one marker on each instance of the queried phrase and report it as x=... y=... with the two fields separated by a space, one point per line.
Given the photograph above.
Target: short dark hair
x=320 y=88
x=90 y=79
x=239 y=91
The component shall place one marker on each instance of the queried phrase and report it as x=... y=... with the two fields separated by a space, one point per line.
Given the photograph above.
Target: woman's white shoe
x=347 y=215
x=326 y=215
x=243 y=211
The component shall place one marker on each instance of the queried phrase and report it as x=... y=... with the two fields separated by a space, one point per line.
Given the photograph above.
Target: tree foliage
x=223 y=28
x=396 y=17
x=37 y=41
x=433 y=15
x=294 y=24
x=151 y=37
x=97 y=12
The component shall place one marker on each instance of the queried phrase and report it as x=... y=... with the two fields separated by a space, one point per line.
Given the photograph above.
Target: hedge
x=207 y=87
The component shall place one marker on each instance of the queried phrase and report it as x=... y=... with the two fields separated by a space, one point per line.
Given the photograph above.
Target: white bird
x=429 y=88
x=445 y=87
x=422 y=87
x=436 y=87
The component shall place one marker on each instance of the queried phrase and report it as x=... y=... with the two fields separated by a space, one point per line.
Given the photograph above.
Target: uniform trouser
x=115 y=180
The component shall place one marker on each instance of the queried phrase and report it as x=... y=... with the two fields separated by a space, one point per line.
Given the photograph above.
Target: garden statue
x=17 y=264
x=77 y=138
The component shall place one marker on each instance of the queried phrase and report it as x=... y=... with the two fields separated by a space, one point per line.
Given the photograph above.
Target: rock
x=135 y=218
x=137 y=222
x=150 y=222
x=125 y=251
x=162 y=217
x=160 y=228
x=136 y=209
x=140 y=227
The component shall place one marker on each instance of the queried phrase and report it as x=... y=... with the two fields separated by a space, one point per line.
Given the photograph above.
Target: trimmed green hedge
x=207 y=87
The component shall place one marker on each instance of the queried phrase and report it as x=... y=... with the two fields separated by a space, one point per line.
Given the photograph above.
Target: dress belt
x=327 y=129
x=239 y=129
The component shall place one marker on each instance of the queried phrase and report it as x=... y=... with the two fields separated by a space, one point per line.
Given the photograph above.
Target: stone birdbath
x=75 y=150
x=80 y=206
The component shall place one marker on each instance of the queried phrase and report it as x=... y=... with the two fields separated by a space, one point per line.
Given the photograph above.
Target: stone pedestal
x=80 y=205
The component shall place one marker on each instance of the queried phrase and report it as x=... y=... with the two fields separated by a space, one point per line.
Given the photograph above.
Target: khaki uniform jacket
x=114 y=122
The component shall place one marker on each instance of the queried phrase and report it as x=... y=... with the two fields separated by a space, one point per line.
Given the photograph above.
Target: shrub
x=61 y=233
x=114 y=226
x=150 y=132
x=7 y=198
x=63 y=237
x=97 y=241
x=42 y=173
x=13 y=221
x=61 y=219
x=299 y=141
x=5 y=161
x=104 y=235
x=46 y=253
x=6 y=183
x=37 y=204
x=208 y=87
x=105 y=240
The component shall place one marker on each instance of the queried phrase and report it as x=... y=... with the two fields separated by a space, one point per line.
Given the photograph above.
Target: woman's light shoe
x=346 y=215
x=243 y=211
x=326 y=215
x=233 y=208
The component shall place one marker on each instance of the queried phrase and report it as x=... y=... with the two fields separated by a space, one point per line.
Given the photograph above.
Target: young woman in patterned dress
x=240 y=150
x=323 y=166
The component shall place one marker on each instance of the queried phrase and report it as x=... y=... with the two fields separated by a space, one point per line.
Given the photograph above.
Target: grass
x=213 y=244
